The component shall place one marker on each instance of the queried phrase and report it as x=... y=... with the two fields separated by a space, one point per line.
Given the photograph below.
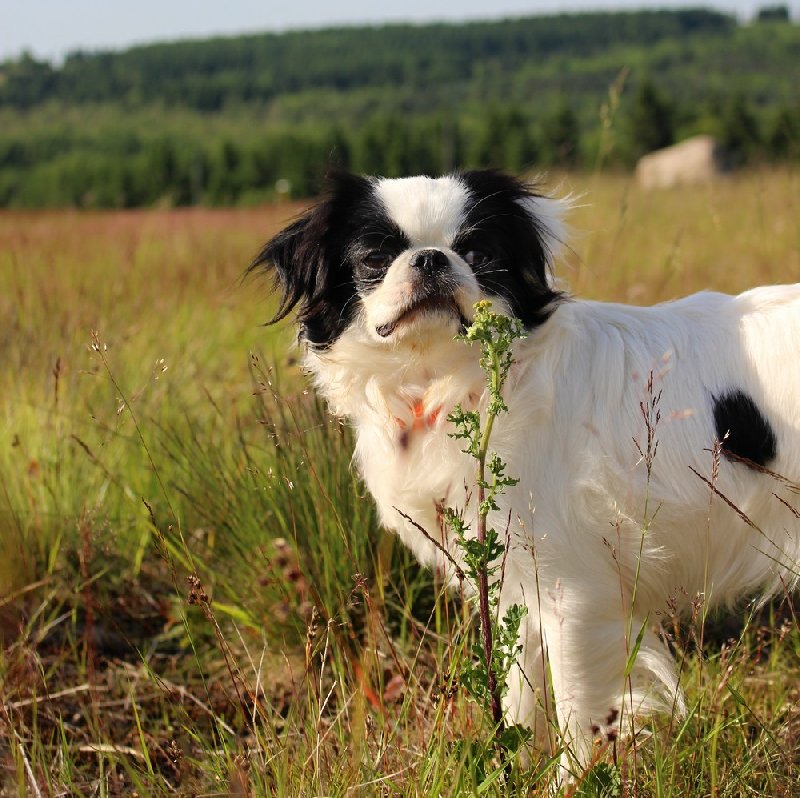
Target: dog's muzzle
x=434 y=289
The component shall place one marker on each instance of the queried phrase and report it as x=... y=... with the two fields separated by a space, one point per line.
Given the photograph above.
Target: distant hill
x=207 y=74
x=221 y=120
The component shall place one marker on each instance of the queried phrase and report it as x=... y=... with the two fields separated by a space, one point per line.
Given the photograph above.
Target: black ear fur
x=498 y=212
x=279 y=257
x=308 y=261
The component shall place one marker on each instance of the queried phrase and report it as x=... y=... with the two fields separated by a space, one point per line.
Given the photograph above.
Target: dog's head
x=409 y=257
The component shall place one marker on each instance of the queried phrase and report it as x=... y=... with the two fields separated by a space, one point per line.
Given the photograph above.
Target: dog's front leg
x=607 y=667
x=526 y=701
x=587 y=655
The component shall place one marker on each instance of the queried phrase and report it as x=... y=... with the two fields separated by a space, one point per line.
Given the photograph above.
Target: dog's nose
x=429 y=261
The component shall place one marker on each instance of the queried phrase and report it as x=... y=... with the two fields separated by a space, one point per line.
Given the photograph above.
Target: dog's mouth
x=427 y=305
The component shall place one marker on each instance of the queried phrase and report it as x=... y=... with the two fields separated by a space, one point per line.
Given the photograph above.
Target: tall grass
x=151 y=431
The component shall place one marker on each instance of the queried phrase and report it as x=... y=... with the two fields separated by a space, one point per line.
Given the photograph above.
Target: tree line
x=132 y=172
x=209 y=75
x=89 y=134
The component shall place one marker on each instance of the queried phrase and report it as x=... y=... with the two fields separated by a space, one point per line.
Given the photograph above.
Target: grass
x=151 y=430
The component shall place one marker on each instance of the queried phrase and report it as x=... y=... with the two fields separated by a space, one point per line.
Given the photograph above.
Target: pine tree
x=651 y=120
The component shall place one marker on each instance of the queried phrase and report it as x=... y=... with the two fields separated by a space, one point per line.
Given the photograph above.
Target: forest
x=241 y=120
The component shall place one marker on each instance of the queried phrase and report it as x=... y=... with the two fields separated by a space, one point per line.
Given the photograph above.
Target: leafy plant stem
x=483 y=576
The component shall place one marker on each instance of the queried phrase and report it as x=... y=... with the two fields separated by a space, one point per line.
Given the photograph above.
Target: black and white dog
x=658 y=449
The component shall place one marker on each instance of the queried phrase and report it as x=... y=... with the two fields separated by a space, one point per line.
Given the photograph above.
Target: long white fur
x=584 y=508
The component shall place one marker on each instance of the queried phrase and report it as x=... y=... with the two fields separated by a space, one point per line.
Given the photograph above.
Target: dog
x=657 y=448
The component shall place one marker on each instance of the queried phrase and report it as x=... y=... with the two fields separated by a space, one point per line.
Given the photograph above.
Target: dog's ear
x=308 y=261
x=525 y=230
x=286 y=258
x=547 y=215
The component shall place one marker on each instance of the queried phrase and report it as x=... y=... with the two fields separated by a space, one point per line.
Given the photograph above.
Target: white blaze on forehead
x=429 y=211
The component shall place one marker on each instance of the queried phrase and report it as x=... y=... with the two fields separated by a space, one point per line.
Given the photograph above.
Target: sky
x=52 y=28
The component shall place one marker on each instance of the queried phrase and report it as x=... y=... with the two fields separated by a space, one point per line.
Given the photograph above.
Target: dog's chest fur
x=398 y=402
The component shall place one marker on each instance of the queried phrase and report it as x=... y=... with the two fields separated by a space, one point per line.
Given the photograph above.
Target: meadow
x=195 y=595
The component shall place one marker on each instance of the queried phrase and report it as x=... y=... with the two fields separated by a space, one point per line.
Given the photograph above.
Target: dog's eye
x=377 y=260
x=476 y=257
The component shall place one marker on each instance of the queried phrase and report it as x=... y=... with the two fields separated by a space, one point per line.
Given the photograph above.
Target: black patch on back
x=750 y=437
x=497 y=222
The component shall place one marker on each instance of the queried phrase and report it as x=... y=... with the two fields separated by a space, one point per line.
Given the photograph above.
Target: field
x=195 y=597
